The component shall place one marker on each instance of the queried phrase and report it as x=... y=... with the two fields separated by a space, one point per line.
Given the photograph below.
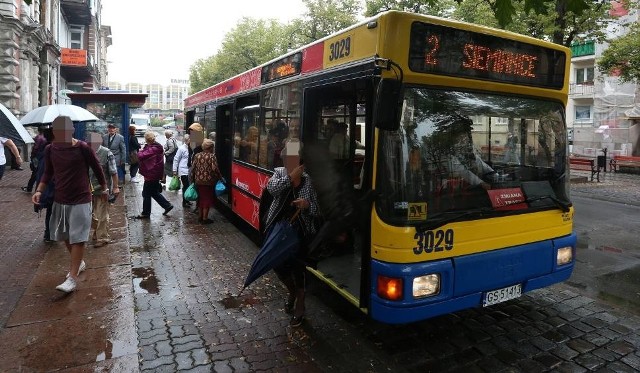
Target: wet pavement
x=163 y=297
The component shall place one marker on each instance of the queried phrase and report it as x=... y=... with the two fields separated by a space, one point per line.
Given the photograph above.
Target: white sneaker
x=83 y=266
x=67 y=286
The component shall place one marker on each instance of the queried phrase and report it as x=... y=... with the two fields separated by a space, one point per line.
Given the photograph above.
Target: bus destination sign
x=281 y=69
x=443 y=50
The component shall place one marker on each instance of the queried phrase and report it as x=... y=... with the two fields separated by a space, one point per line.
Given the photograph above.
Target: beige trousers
x=100 y=218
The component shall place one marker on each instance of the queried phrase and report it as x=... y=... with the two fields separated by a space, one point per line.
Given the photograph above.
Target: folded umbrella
x=46 y=114
x=11 y=128
x=281 y=244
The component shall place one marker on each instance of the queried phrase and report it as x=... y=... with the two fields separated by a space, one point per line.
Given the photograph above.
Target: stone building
x=48 y=48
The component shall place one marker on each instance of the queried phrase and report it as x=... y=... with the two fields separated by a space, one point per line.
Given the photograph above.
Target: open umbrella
x=46 y=114
x=281 y=244
x=11 y=128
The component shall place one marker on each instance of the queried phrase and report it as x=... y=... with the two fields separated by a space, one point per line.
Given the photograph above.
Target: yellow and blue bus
x=449 y=140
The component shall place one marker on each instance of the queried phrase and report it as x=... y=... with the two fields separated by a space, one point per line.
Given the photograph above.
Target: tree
x=249 y=44
x=202 y=73
x=431 y=7
x=560 y=21
x=323 y=18
x=622 y=58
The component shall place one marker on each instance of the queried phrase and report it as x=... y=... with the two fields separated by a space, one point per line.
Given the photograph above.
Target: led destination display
x=443 y=50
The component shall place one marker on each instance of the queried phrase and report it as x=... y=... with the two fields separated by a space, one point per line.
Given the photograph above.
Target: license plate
x=502 y=295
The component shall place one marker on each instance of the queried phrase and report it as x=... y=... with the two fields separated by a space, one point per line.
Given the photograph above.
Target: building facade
x=163 y=99
x=602 y=112
x=50 y=47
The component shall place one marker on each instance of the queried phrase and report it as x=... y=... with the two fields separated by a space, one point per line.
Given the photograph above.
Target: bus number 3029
x=340 y=49
x=433 y=241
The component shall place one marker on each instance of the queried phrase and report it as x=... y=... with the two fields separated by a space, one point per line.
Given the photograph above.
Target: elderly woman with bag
x=151 y=159
x=205 y=174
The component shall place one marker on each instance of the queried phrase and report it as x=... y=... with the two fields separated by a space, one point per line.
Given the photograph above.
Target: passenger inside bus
x=249 y=146
x=462 y=163
x=339 y=143
x=417 y=186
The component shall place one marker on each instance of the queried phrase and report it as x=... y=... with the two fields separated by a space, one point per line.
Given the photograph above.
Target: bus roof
x=317 y=56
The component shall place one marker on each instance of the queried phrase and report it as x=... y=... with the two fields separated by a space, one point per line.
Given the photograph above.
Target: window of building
x=500 y=121
x=583 y=114
x=76 y=36
x=584 y=75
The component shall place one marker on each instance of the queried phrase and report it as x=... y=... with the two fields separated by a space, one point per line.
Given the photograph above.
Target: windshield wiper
x=562 y=205
x=443 y=218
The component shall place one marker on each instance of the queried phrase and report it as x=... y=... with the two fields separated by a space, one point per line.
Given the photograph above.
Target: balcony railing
x=583 y=49
x=582 y=89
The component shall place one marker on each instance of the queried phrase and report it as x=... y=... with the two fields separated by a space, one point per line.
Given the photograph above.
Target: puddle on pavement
x=113 y=349
x=239 y=301
x=144 y=281
x=621 y=288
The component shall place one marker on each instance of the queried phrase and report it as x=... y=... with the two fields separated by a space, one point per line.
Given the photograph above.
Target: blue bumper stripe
x=465 y=279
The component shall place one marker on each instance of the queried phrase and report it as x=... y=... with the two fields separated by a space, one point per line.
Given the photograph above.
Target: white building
x=601 y=112
x=163 y=99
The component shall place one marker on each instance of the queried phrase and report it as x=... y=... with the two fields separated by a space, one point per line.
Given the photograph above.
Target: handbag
x=191 y=194
x=133 y=157
x=221 y=187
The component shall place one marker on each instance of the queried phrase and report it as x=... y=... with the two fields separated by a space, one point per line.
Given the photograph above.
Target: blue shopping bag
x=221 y=187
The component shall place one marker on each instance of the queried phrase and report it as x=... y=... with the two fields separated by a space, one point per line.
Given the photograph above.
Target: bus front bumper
x=464 y=281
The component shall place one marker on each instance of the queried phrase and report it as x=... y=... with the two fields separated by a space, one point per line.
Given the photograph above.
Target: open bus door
x=340 y=187
x=224 y=144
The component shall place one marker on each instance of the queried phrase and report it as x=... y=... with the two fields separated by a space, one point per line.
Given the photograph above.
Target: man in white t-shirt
x=14 y=149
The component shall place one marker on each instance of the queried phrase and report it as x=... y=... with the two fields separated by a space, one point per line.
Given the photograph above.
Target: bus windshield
x=453 y=148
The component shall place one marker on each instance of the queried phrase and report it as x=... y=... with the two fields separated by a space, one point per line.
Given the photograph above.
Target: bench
x=585 y=164
x=620 y=161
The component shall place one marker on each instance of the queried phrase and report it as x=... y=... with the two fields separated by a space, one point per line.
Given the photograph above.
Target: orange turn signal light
x=390 y=288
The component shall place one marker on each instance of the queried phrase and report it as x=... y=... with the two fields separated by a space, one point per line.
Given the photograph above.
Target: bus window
x=282 y=110
x=246 y=137
x=456 y=145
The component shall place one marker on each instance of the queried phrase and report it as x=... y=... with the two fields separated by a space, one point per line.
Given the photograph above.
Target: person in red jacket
x=151 y=160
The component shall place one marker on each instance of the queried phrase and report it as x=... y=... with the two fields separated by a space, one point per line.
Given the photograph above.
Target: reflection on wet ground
x=625 y=293
x=145 y=281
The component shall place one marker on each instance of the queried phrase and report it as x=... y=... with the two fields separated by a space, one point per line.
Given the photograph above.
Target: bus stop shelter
x=111 y=107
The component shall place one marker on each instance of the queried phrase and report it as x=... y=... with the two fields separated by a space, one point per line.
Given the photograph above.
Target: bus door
x=335 y=127
x=224 y=142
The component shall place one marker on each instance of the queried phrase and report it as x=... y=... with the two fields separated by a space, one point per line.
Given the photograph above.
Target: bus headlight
x=565 y=255
x=426 y=286
x=390 y=288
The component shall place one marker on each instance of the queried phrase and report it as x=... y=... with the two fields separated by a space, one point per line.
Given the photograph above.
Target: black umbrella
x=281 y=244
x=11 y=128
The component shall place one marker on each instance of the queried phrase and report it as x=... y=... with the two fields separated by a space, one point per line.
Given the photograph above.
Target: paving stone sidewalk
x=164 y=297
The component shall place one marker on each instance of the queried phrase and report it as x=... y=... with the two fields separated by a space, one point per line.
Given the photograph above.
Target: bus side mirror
x=388 y=104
